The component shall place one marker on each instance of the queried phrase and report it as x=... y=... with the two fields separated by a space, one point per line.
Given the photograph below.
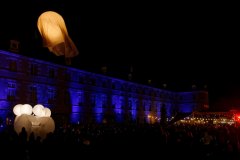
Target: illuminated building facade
x=80 y=96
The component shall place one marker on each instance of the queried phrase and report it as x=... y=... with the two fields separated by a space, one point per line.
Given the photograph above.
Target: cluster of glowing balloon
x=38 y=110
x=55 y=36
x=37 y=119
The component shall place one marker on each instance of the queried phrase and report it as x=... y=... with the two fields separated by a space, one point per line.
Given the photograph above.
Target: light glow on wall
x=186 y=107
x=116 y=101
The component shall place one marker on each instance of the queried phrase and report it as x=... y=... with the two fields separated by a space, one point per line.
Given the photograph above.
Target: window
x=158 y=107
x=137 y=105
x=93 y=82
x=51 y=96
x=67 y=98
x=104 y=101
x=81 y=80
x=11 y=93
x=93 y=100
x=12 y=65
x=122 y=101
x=80 y=98
x=33 y=69
x=113 y=86
x=51 y=73
x=104 y=84
x=67 y=77
x=152 y=106
x=129 y=104
x=33 y=94
x=14 y=45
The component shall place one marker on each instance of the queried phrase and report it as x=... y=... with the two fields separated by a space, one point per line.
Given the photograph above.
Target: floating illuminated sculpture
x=37 y=120
x=55 y=36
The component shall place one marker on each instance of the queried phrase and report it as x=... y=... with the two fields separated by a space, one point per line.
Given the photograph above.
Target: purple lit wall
x=80 y=96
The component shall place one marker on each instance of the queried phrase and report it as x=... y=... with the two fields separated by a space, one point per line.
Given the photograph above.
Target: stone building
x=80 y=96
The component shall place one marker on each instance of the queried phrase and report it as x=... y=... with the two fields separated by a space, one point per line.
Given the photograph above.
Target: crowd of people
x=110 y=141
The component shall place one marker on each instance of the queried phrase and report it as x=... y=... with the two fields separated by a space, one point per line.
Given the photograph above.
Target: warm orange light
x=55 y=36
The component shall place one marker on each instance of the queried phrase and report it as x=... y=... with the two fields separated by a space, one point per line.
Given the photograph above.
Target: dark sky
x=168 y=43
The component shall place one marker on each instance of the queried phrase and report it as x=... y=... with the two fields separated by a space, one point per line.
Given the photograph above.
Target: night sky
x=177 y=44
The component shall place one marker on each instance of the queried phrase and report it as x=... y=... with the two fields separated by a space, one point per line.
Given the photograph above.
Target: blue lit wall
x=81 y=96
x=186 y=107
x=134 y=109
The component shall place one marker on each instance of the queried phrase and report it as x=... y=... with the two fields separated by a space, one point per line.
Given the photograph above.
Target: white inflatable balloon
x=22 y=121
x=47 y=126
x=38 y=110
x=26 y=109
x=17 y=109
x=47 y=112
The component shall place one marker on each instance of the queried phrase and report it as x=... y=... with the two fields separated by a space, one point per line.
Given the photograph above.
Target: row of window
x=119 y=102
x=82 y=79
x=63 y=75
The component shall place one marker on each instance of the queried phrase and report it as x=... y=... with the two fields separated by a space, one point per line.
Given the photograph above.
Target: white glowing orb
x=38 y=110
x=26 y=109
x=47 y=112
x=17 y=109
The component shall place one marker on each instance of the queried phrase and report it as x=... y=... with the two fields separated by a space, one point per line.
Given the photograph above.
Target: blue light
x=118 y=111
x=76 y=109
x=119 y=118
x=125 y=98
x=98 y=110
x=186 y=108
x=99 y=118
x=134 y=114
x=75 y=118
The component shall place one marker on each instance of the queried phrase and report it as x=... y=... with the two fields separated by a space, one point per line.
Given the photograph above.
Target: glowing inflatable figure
x=37 y=120
x=55 y=35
